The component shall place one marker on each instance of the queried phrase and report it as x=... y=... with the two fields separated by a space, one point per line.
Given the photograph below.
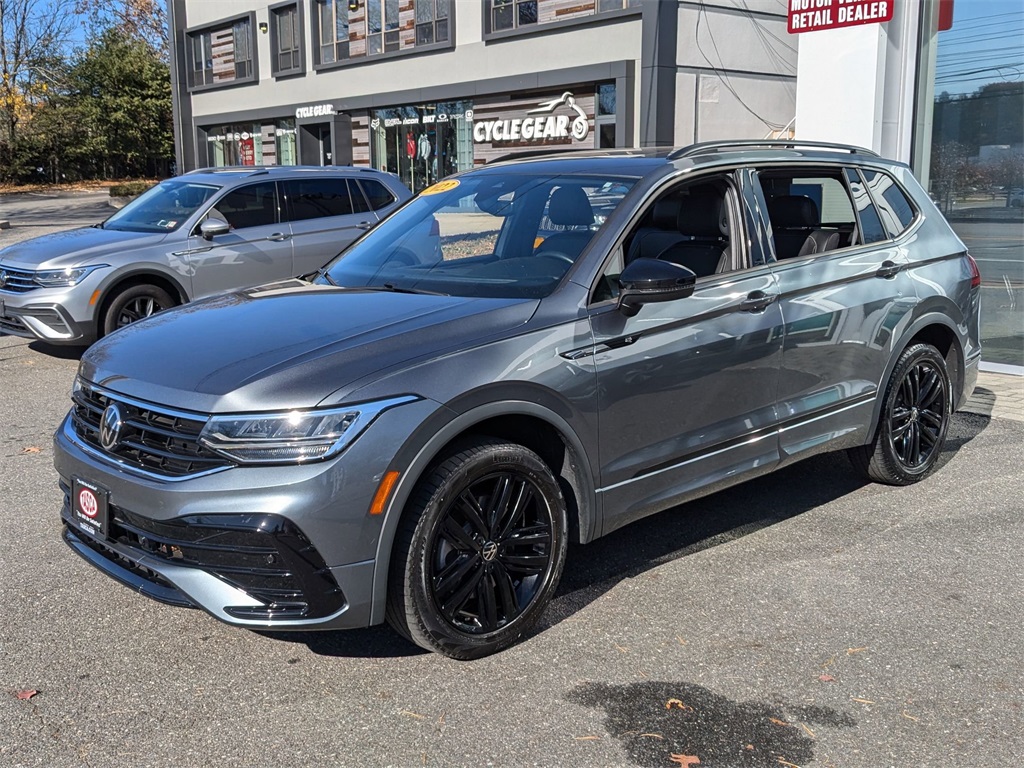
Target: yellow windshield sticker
x=441 y=186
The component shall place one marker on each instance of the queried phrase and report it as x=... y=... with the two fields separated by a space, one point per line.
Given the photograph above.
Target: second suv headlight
x=291 y=436
x=64 y=278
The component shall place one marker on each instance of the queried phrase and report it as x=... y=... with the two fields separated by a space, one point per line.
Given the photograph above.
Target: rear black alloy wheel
x=480 y=553
x=133 y=304
x=914 y=421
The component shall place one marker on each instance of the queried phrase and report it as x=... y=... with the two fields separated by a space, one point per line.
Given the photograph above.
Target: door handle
x=364 y=225
x=757 y=301
x=278 y=237
x=888 y=269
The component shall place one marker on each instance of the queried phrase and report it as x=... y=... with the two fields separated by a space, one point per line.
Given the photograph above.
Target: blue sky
x=985 y=45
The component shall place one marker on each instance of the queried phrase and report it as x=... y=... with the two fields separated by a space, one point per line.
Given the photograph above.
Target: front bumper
x=239 y=567
x=277 y=547
x=53 y=315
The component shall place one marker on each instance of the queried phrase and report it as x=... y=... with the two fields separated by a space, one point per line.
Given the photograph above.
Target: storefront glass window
x=269 y=143
x=604 y=122
x=975 y=169
x=423 y=143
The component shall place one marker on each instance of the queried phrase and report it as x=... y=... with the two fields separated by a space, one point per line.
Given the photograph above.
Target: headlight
x=293 y=436
x=64 y=278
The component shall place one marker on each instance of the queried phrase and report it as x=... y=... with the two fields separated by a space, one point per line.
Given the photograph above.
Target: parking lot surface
x=802 y=619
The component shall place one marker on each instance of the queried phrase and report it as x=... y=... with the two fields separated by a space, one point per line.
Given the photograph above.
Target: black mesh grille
x=265 y=556
x=151 y=439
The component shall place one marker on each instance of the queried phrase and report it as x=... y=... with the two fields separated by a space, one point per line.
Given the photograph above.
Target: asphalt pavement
x=802 y=619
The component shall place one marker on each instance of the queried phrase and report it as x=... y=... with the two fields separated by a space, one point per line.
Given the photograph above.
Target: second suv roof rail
x=709 y=147
x=254 y=170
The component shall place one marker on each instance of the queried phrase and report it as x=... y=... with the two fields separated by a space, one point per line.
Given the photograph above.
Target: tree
x=137 y=19
x=120 y=94
x=33 y=35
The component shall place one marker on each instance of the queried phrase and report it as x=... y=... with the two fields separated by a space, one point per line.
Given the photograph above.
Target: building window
x=422 y=143
x=271 y=142
x=286 y=39
x=512 y=14
x=222 y=55
x=350 y=30
x=431 y=21
x=333 y=30
x=616 y=5
x=971 y=157
x=382 y=26
x=604 y=120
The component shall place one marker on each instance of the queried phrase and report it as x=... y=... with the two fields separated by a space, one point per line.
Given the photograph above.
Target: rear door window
x=317 y=198
x=810 y=212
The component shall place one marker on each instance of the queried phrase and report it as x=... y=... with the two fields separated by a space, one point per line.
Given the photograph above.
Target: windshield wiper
x=397 y=289
x=323 y=273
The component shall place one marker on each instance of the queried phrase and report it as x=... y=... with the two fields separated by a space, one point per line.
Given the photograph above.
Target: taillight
x=975 y=272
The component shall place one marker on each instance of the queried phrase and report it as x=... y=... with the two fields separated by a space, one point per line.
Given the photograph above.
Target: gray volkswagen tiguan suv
x=524 y=355
x=191 y=236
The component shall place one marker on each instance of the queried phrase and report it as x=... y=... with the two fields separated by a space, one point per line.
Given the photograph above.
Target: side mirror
x=210 y=228
x=646 y=281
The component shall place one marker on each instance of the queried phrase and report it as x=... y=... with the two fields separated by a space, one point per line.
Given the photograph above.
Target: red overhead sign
x=813 y=15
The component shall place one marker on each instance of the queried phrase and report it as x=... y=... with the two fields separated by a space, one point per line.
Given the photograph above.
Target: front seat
x=568 y=207
x=700 y=222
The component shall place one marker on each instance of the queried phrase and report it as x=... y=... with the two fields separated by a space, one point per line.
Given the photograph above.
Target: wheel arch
x=938 y=331
x=136 y=277
x=527 y=423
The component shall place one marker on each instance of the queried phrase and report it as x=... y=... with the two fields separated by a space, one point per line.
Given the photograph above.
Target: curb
x=4 y=224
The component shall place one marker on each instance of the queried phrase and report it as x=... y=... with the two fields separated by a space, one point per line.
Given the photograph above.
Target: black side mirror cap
x=646 y=281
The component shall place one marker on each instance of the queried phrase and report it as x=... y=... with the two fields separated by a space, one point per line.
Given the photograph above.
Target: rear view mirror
x=646 y=281
x=210 y=228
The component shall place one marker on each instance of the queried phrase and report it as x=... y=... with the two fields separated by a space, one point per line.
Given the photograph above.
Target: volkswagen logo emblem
x=110 y=427
x=490 y=551
x=3 y=278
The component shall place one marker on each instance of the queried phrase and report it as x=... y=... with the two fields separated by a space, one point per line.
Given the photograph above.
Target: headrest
x=793 y=211
x=570 y=206
x=700 y=214
x=666 y=213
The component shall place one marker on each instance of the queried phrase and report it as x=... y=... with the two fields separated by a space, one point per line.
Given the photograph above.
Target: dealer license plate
x=90 y=507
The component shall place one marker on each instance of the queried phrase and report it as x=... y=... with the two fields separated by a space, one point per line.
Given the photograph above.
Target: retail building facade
x=427 y=88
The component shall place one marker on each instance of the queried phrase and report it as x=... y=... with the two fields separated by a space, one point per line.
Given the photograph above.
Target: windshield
x=502 y=235
x=163 y=208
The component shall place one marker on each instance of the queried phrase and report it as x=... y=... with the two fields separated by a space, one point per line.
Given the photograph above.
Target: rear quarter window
x=892 y=203
x=378 y=195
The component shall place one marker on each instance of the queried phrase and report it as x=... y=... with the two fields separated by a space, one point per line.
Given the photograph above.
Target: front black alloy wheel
x=914 y=420
x=479 y=552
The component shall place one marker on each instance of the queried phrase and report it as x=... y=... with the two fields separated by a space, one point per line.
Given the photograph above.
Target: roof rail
x=255 y=170
x=710 y=147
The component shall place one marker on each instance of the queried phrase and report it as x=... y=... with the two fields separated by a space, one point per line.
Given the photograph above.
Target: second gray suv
x=195 y=235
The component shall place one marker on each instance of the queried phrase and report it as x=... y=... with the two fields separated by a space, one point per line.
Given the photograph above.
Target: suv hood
x=75 y=247
x=287 y=345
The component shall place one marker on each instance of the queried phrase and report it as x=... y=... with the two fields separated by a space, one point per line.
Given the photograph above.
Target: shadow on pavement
x=728 y=515
x=60 y=351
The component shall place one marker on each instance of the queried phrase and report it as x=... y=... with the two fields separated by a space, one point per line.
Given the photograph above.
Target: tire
x=134 y=303
x=914 y=420
x=479 y=550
